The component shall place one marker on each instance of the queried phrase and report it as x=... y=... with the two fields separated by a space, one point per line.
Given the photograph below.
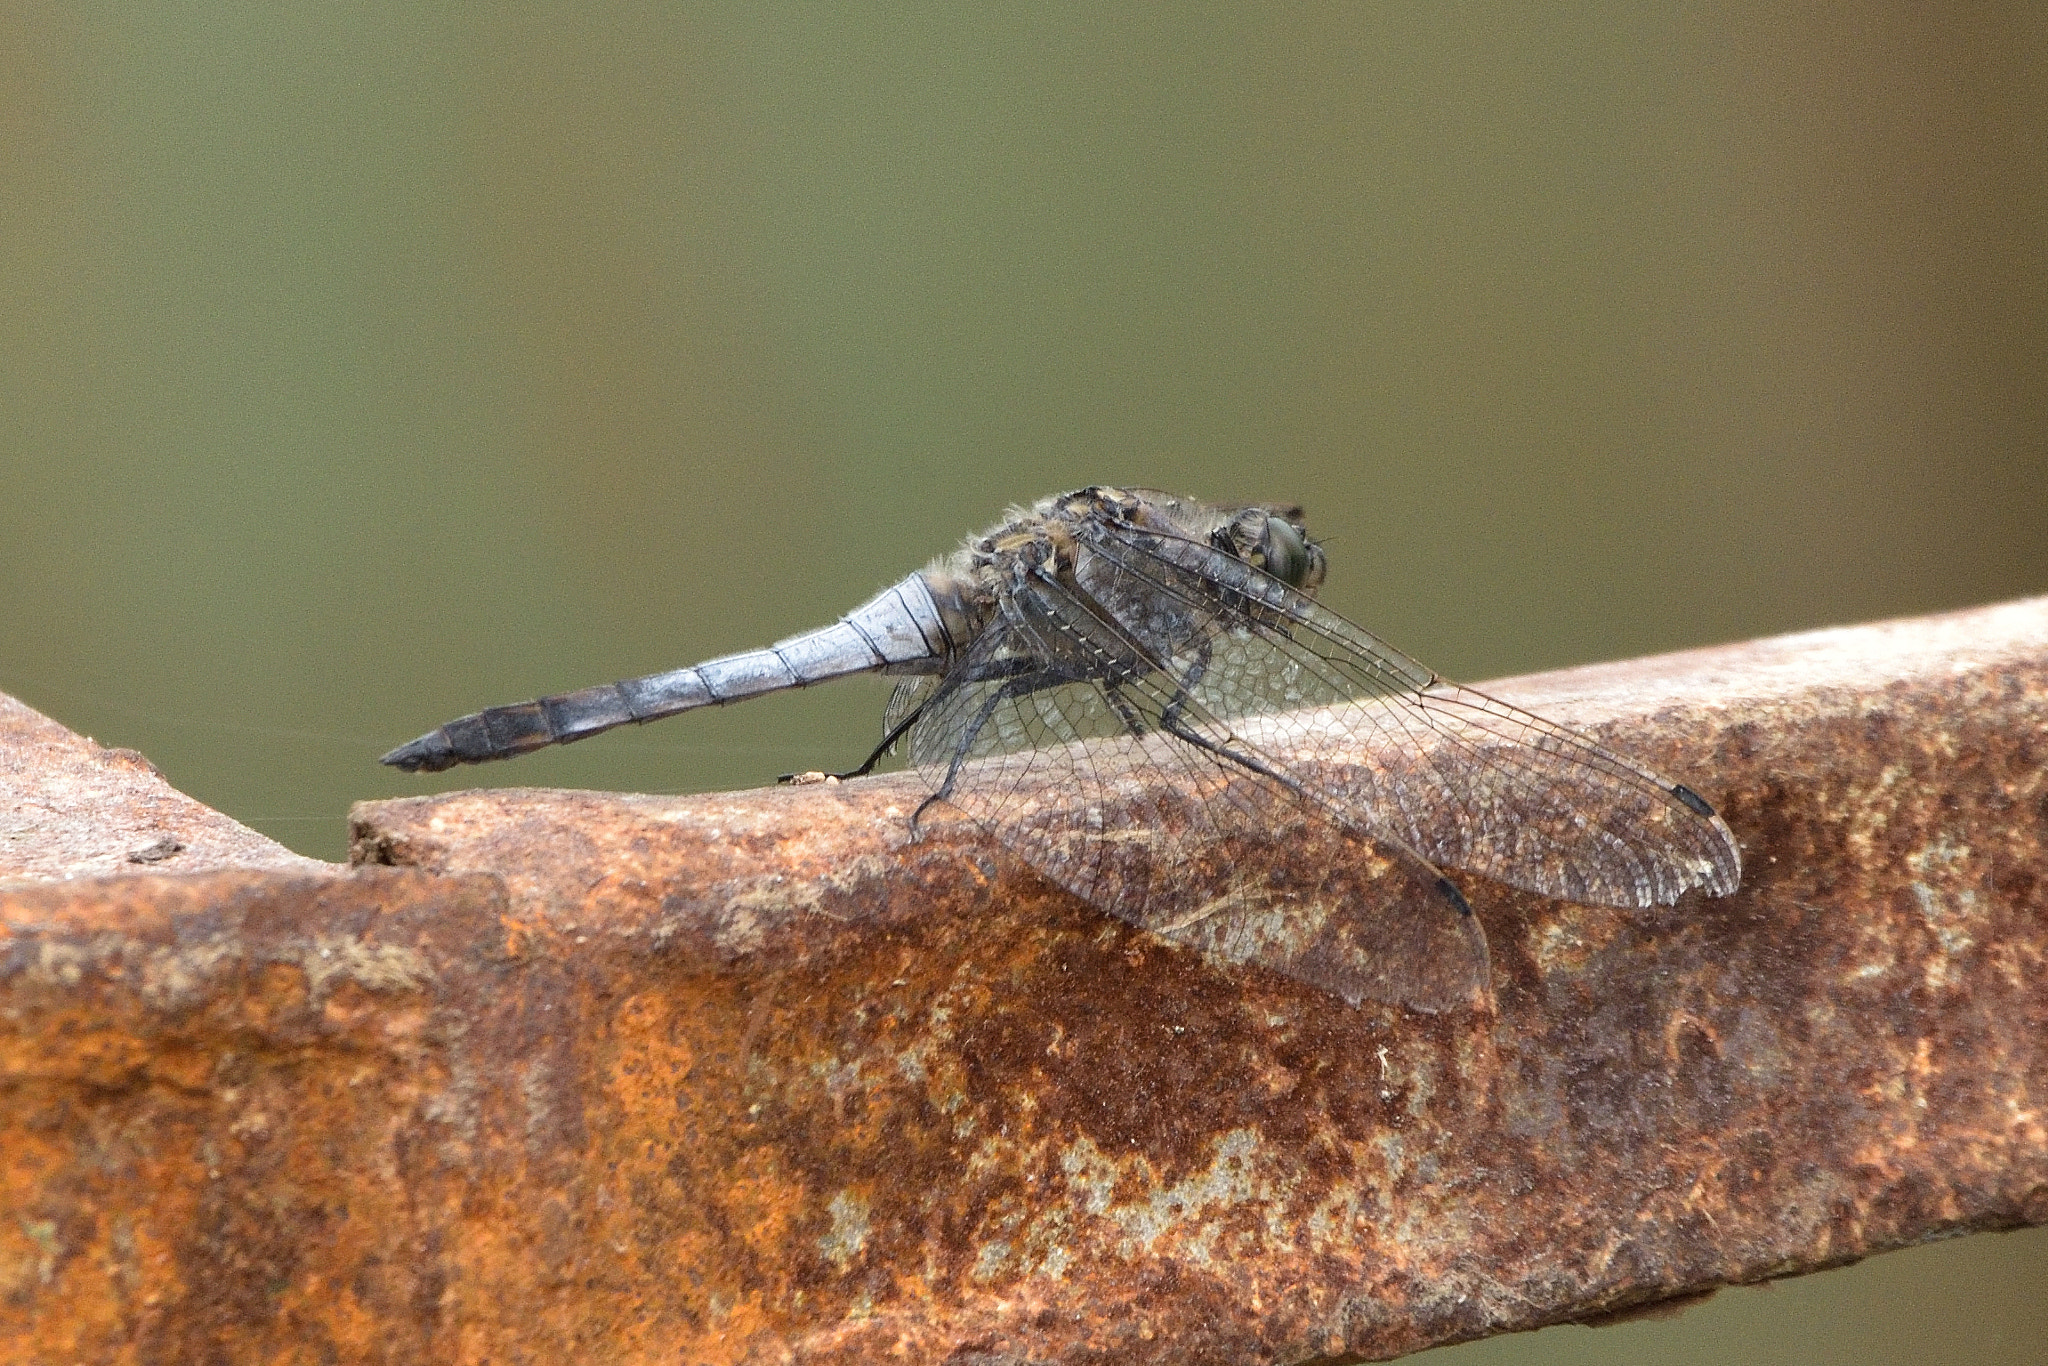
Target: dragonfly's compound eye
x=1289 y=556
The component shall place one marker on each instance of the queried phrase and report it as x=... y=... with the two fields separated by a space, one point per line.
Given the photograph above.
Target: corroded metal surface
x=73 y=808
x=233 y=1123
x=751 y=1078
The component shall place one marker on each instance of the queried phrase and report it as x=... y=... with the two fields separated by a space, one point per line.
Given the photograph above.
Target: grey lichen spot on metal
x=742 y=925
x=752 y=907
x=988 y=1263
x=58 y=964
x=536 y=1087
x=177 y=977
x=1228 y=1183
x=1757 y=1045
x=849 y=1232
x=373 y=967
x=1948 y=909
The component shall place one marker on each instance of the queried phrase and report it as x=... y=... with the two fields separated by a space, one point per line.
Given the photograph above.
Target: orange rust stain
x=518 y=937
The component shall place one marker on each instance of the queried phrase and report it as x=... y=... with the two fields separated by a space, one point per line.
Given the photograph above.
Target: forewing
x=1462 y=778
x=1075 y=770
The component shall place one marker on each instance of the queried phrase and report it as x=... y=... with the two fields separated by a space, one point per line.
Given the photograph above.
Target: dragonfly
x=1139 y=694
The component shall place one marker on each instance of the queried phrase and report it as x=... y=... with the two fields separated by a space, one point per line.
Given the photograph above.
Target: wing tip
x=1693 y=801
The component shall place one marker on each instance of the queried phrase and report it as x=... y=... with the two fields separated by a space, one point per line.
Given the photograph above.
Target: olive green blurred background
x=362 y=365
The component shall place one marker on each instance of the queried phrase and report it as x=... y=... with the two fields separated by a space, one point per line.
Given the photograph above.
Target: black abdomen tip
x=498 y=733
x=1693 y=800
x=428 y=754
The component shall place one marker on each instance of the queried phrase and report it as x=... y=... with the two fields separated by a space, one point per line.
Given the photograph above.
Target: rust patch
x=72 y=808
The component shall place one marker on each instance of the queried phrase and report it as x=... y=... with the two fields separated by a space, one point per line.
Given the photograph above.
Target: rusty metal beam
x=748 y=1077
x=70 y=807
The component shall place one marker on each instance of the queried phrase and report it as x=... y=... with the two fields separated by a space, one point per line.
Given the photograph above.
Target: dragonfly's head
x=1274 y=539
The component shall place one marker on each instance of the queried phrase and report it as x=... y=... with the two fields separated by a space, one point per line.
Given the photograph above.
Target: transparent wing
x=1124 y=790
x=1462 y=778
x=905 y=699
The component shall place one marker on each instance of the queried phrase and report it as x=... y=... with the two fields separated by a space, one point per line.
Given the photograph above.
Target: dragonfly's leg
x=1133 y=722
x=1174 y=726
x=1002 y=669
x=867 y=765
x=1021 y=686
x=1184 y=688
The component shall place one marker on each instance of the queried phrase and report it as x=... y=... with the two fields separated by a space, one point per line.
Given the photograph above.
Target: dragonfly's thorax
x=1051 y=541
x=1270 y=537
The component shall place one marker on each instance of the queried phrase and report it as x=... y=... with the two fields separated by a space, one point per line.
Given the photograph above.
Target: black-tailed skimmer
x=1139 y=694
